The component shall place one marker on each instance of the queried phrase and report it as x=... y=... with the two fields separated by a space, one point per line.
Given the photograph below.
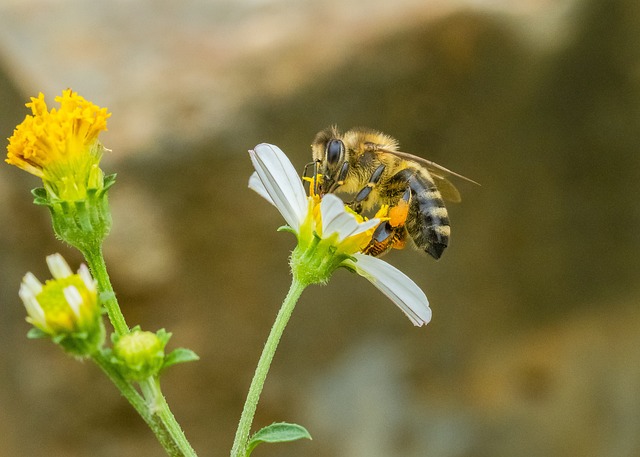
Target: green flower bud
x=140 y=354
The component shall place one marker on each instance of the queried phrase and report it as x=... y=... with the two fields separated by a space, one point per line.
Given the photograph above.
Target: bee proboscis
x=368 y=165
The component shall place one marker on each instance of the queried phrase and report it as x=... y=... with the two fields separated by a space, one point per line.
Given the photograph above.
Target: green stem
x=162 y=412
x=107 y=295
x=153 y=408
x=139 y=404
x=251 y=403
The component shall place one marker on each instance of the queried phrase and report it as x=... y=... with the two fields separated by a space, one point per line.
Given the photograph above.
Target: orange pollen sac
x=398 y=214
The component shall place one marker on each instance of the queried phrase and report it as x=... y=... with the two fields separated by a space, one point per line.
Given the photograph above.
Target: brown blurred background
x=534 y=347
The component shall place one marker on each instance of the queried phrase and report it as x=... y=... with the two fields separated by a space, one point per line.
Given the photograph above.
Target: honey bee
x=368 y=165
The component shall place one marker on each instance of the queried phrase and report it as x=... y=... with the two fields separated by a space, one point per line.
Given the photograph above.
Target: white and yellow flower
x=66 y=307
x=329 y=235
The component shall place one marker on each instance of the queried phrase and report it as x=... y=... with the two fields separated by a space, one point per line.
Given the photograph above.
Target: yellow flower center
x=59 y=315
x=313 y=223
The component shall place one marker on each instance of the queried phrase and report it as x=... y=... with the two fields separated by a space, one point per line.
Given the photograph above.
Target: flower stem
x=162 y=414
x=251 y=403
x=98 y=268
x=153 y=407
x=141 y=406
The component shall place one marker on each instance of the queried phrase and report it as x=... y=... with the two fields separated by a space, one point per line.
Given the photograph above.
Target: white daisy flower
x=329 y=235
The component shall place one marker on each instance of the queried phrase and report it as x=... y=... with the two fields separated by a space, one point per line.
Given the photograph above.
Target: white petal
x=58 y=266
x=281 y=182
x=74 y=299
x=34 y=310
x=335 y=219
x=31 y=284
x=256 y=185
x=364 y=226
x=395 y=285
x=88 y=281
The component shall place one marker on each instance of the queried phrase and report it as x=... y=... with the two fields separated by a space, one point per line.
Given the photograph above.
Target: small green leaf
x=280 y=432
x=109 y=180
x=40 y=196
x=35 y=333
x=39 y=192
x=41 y=202
x=164 y=336
x=286 y=228
x=180 y=355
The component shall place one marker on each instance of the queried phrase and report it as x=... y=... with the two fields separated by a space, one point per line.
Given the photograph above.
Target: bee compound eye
x=334 y=151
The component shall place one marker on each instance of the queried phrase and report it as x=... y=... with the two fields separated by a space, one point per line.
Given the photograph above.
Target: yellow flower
x=61 y=145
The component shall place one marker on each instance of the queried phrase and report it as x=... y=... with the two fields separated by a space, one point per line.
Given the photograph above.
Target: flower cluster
x=329 y=235
x=61 y=146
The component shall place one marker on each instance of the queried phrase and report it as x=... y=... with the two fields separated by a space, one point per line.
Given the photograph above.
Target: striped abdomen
x=428 y=221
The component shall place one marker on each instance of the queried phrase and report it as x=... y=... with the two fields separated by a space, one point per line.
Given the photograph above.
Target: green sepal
x=163 y=335
x=179 y=355
x=280 y=432
x=81 y=344
x=109 y=180
x=286 y=228
x=61 y=337
x=83 y=223
x=346 y=266
x=35 y=333
x=40 y=197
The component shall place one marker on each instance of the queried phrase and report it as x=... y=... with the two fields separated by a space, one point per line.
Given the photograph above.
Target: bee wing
x=438 y=173
x=447 y=190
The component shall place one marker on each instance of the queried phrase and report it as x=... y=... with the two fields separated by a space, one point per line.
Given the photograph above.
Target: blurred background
x=534 y=346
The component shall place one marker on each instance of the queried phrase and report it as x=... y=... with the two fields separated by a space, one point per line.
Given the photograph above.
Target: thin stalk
x=140 y=405
x=161 y=411
x=260 y=375
x=107 y=295
x=154 y=410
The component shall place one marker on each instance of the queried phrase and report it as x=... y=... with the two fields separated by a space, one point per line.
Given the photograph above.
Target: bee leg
x=391 y=233
x=366 y=190
x=314 y=177
x=340 y=181
x=306 y=167
x=384 y=238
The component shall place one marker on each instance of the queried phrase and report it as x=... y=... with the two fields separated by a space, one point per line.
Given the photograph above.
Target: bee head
x=334 y=166
x=330 y=154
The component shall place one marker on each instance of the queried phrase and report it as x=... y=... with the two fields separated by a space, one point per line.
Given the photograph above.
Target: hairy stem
x=251 y=403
